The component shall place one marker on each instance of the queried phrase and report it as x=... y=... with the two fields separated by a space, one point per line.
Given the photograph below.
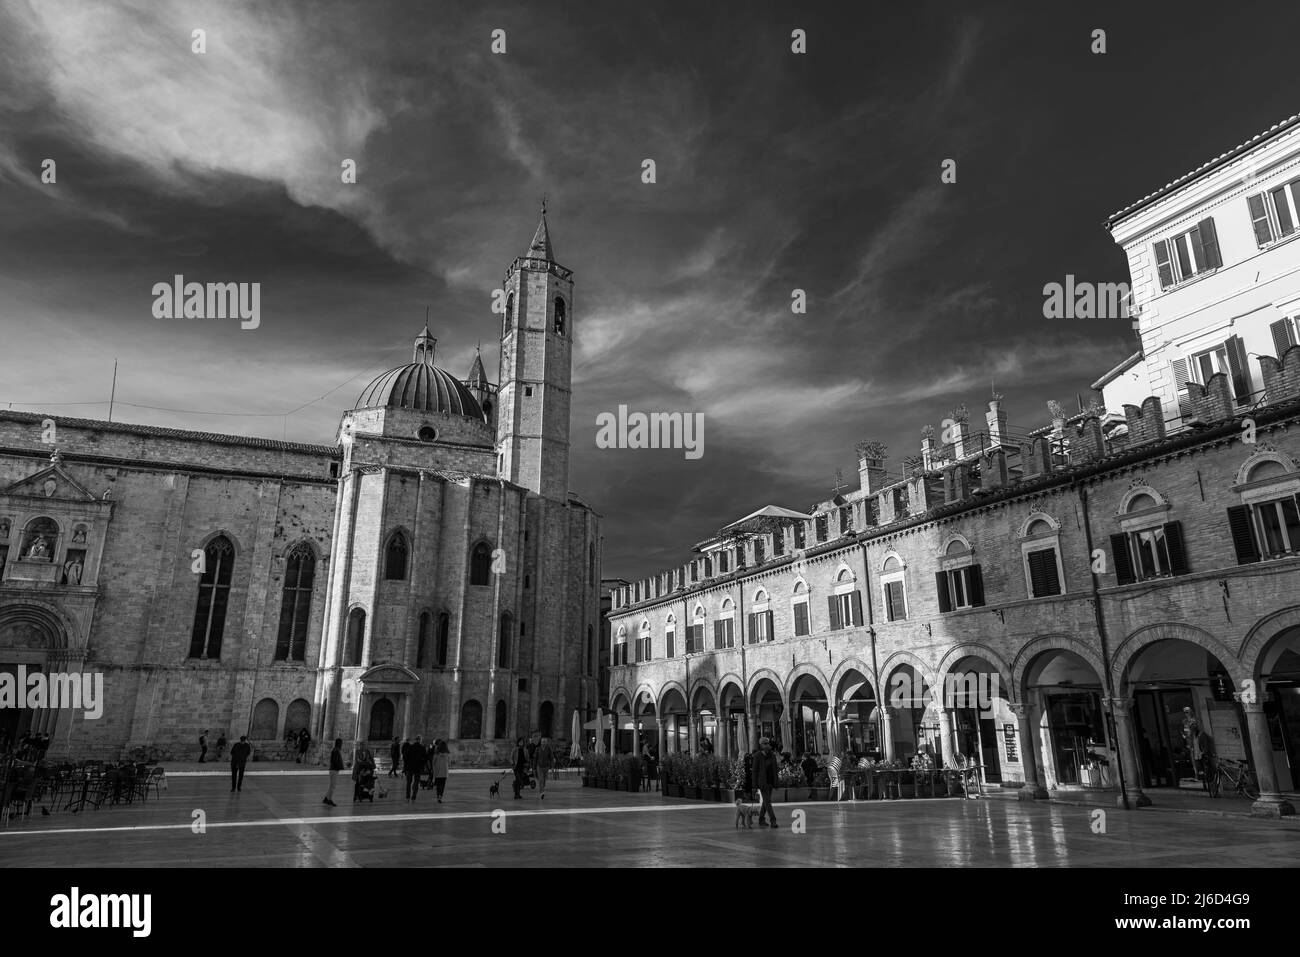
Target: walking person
x=238 y=759
x=440 y=763
x=304 y=743
x=395 y=752
x=336 y=765
x=221 y=746
x=544 y=762
x=413 y=757
x=519 y=763
x=764 y=780
x=203 y=746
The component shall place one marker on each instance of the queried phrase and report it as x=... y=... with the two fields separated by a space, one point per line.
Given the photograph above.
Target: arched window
x=356 y=638
x=266 y=720
x=1138 y=502
x=214 y=595
x=295 y=604
x=545 y=718
x=503 y=647
x=471 y=720
x=559 y=316
x=509 y=317
x=444 y=632
x=480 y=564
x=499 y=726
x=395 y=558
x=40 y=540
x=298 y=715
x=422 y=645
x=1266 y=469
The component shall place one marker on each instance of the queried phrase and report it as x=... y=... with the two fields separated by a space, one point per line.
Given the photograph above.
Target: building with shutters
x=430 y=573
x=1094 y=577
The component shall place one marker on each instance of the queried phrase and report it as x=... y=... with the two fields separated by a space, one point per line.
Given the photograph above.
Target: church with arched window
x=428 y=573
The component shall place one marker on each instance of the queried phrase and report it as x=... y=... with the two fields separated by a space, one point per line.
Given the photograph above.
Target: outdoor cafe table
x=881 y=782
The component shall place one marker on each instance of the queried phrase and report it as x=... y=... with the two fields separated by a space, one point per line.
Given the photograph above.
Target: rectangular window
x=1284 y=335
x=1149 y=553
x=960 y=588
x=1230 y=359
x=800 y=535
x=722 y=562
x=821 y=525
x=695 y=638
x=778 y=538
x=645 y=648
x=1188 y=254
x=1275 y=214
x=1266 y=530
x=801 y=622
x=670 y=642
x=760 y=626
x=1043 y=577
x=846 y=519
x=845 y=610
x=758 y=551
x=895 y=601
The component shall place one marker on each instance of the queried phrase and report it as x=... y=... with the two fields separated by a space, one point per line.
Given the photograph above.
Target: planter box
x=819 y=794
x=673 y=790
x=694 y=792
x=727 y=795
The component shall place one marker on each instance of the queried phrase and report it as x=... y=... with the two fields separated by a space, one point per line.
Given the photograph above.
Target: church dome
x=421 y=386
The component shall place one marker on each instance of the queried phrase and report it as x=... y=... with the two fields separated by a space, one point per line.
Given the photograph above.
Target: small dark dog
x=495 y=789
x=744 y=813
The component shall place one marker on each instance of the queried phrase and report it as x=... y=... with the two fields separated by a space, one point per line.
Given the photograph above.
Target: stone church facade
x=429 y=573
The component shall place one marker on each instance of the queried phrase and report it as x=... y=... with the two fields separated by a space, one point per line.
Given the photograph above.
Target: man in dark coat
x=413 y=757
x=764 y=781
x=238 y=758
x=395 y=752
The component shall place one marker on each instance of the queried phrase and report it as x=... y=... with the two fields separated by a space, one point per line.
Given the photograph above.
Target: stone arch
x=1057 y=642
x=44 y=626
x=1264 y=455
x=297 y=717
x=902 y=565
x=1251 y=653
x=757 y=677
x=266 y=720
x=760 y=595
x=852 y=664
x=698 y=689
x=844 y=573
x=1032 y=517
x=617 y=693
x=663 y=693
x=891 y=664
x=954 y=537
x=644 y=690
x=1148 y=635
x=973 y=649
x=800 y=671
x=1133 y=493
x=794 y=587
x=220 y=533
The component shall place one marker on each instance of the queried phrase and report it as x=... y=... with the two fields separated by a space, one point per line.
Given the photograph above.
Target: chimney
x=1145 y=424
x=927 y=447
x=1088 y=445
x=993 y=468
x=1036 y=456
x=960 y=419
x=871 y=465
x=997 y=420
x=956 y=483
x=1057 y=412
x=1281 y=375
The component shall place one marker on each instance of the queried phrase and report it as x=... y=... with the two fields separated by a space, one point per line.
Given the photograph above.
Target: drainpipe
x=881 y=700
x=1105 y=648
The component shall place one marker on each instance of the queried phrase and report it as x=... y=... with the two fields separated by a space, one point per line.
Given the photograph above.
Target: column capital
x=1121 y=706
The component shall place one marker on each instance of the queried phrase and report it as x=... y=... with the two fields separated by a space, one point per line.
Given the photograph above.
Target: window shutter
x=1283 y=336
x=1122 y=559
x=1179 y=367
x=770 y=633
x=1243 y=537
x=717 y=633
x=1237 y=368
x=833 y=606
x=1207 y=246
x=1163 y=265
x=975 y=586
x=1177 y=549
x=671 y=642
x=1259 y=219
x=857 y=608
x=899 y=610
x=941 y=588
x=753 y=630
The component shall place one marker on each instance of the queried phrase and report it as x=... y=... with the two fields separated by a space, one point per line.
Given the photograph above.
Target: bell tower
x=536 y=368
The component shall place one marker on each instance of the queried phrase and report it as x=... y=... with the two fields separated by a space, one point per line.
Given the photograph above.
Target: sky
x=775 y=171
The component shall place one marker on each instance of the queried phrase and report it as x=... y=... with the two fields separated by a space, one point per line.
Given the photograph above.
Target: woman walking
x=336 y=765
x=441 y=760
x=545 y=760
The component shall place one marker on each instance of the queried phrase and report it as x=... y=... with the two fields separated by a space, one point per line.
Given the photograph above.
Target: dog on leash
x=495 y=789
x=744 y=813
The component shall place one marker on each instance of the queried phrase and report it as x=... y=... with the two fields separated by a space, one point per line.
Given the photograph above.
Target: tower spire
x=540 y=247
x=424 y=345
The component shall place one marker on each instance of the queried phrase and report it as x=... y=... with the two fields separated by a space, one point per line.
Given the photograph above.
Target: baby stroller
x=365 y=786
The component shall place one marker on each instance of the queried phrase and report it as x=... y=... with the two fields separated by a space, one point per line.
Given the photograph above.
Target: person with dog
x=765 y=781
x=440 y=762
x=519 y=764
x=413 y=756
x=336 y=765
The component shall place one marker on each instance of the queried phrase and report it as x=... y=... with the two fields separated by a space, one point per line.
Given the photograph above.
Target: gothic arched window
x=510 y=314
x=214 y=595
x=422 y=647
x=503 y=648
x=355 y=639
x=444 y=632
x=480 y=564
x=295 y=604
x=395 y=558
x=559 y=316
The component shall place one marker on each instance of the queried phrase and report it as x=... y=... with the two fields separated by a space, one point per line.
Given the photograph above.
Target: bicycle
x=1239 y=778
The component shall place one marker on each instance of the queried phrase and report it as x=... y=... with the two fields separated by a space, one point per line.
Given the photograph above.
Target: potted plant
x=821 y=786
x=727 y=779
x=789 y=778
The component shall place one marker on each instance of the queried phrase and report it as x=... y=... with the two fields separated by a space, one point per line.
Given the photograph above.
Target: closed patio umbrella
x=575 y=735
x=742 y=736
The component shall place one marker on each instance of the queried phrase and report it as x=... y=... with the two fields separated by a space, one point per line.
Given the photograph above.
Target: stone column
x=663 y=735
x=1034 y=782
x=887 y=731
x=947 y=739
x=1121 y=708
x=1270 y=803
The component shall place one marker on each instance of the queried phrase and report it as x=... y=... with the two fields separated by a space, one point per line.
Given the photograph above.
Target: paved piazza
x=278 y=821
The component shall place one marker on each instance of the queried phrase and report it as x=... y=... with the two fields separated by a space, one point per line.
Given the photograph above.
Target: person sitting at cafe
x=809 y=766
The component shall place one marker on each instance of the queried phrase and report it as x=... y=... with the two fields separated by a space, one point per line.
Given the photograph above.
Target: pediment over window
x=389 y=674
x=50 y=483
